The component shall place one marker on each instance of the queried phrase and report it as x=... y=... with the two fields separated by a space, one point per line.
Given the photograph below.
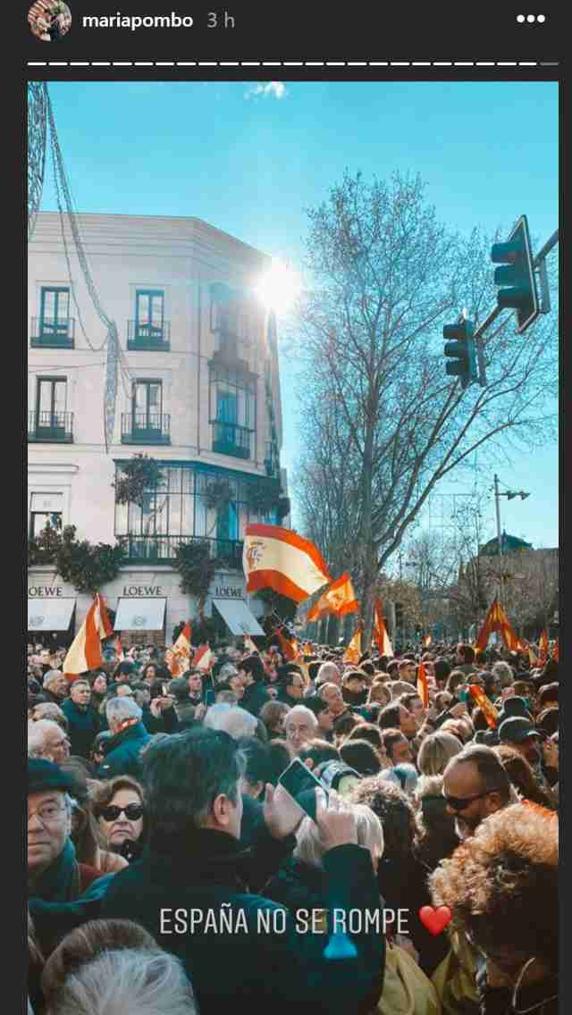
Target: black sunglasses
x=459 y=803
x=133 y=812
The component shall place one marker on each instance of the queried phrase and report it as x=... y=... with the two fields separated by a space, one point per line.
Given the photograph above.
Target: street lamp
x=510 y=495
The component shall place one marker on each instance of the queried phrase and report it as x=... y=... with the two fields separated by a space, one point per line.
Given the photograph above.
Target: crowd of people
x=170 y=871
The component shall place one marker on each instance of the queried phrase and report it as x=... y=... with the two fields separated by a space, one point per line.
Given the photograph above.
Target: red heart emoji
x=435 y=919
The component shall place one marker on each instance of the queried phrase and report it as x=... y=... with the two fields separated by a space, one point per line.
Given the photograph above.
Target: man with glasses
x=53 y=871
x=475 y=785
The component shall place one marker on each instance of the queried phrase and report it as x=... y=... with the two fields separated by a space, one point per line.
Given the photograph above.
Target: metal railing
x=52 y=332
x=232 y=439
x=53 y=427
x=148 y=336
x=145 y=428
x=162 y=549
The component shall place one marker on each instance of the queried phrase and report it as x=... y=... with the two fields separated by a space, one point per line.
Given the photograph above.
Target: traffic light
x=516 y=276
x=460 y=346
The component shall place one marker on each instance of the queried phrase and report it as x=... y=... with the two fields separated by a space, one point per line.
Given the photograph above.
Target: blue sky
x=250 y=159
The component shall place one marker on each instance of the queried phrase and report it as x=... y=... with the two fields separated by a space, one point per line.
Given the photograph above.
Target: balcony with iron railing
x=50 y=427
x=232 y=439
x=145 y=428
x=52 y=333
x=162 y=549
x=148 y=337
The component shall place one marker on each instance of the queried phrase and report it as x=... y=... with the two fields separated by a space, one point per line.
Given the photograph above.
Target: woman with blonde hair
x=436 y=751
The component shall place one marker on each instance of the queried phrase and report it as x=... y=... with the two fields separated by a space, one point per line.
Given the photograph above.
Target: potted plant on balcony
x=218 y=493
x=136 y=478
x=197 y=568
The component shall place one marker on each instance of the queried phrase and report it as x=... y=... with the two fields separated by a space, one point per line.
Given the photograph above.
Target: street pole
x=499 y=537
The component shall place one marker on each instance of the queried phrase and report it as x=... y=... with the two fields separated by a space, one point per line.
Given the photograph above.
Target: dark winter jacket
x=122 y=753
x=83 y=727
x=403 y=885
x=255 y=696
x=267 y=964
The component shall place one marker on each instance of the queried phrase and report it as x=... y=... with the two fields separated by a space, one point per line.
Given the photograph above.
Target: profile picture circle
x=49 y=20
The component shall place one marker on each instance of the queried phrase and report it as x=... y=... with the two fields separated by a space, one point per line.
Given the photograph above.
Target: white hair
x=119 y=709
x=503 y=673
x=303 y=712
x=309 y=847
x=326 y=672
x=127 y=981
x=51 y=677
x=231 y=719
x=38 y=736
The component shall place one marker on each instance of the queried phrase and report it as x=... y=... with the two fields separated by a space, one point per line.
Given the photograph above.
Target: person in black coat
x=255 y=694
x=83 y=721
x=193 y=888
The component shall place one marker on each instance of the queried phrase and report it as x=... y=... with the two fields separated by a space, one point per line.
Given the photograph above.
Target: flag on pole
x=84 y=652
x=380 y=634
x=488 y=709
x=203 y=658
x=339 y=598
x=353 y=652
x=179 y=655
x=543 y=647
x=249 y=644
x=280 y=559
x=427 y=641
x=497 y=620
x=288 y=646
x=118 y=647
x=423 y=685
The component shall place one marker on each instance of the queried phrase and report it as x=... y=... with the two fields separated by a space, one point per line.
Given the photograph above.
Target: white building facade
x=198 y=391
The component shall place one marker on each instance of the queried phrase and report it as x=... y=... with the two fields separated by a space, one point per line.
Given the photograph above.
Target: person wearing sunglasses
x=118 y=808
x=475 y=785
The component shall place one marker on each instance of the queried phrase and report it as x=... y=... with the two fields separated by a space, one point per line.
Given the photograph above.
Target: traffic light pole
x=540 y=263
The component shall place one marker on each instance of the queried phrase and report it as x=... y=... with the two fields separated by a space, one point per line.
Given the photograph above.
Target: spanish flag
x=178 y=657
x=488 y=709
x=339 y=599
x=380 y=634
x=423 y=685
x=119 y=649
x=84 y=652
x=353 y=652
x=203 y=658
x=249 y=644
x=279 y=559
x=543 y=647
x=427 y=641
x=288 y=646
x=497 y=620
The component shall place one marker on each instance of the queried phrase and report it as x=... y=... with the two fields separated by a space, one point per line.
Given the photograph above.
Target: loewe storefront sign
x=45 y=591
x=138 y=591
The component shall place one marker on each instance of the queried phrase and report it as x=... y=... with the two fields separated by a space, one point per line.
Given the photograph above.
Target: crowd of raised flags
x=279 y=559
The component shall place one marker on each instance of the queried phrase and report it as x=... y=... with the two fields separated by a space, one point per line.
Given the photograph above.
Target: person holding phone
x=194 y=864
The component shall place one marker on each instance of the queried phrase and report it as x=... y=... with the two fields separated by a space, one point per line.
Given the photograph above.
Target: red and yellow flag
x=488 y=709
x=497 y=620
x=178 y=657
x=288 y=646
x=339 y=599
x=203 y=658
x=353 y=652
x=427 y=639
x=423 y=685
x=380 y=634
x=119 y=649
x=543 y=647
x=249 y=644
x=280 y=559
x=84 y=652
